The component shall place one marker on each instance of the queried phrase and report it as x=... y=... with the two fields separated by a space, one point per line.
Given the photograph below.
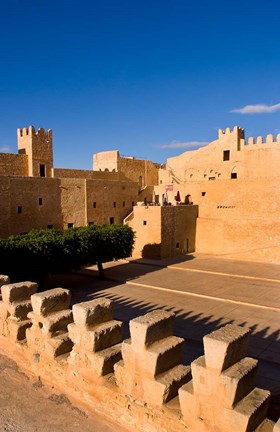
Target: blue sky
x=149 y=78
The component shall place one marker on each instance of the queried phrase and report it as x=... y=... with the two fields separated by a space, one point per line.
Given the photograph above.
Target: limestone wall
x=29 y=202
x=135 y=382
x=143 y=172
x=38 y=147
x=163 y=231
x=87 y=174
x=13 y=164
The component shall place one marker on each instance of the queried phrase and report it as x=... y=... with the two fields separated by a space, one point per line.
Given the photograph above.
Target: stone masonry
x=151 y=371
x=220 y=397
x=14 y=308
x=222 y=391
x=50 y=317
x=96 y=336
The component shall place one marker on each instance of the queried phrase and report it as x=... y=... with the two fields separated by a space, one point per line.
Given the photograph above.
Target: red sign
x=168 y=188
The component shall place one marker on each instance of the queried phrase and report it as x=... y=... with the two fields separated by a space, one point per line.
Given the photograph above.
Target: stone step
x=50 y=301
x=18 y=292
x=17 y=329
x=225 y=347
x=164 y=355
x=168 y=383
x=267 y=426
x=238 y=381
x=103 y=361
x=149 y=328
x=93 y=312
x=19 y=310
x=96 y=338
x=58 y=345
x=249 y=413
x=54 y=322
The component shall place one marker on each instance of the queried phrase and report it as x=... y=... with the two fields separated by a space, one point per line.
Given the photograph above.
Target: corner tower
x=39 y=149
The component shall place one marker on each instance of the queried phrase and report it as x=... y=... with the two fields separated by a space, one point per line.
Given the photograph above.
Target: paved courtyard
x=204 y=292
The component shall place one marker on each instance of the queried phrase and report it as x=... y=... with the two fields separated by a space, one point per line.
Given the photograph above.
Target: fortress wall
x=13 y=164
x=106 y=161
x=73 y=202
x=38 y=146
x=87 y=174
x=242 y=239
x=27 y=203
x=134 y=383
x=163 y=231
x=107 y=199
x=259 y=157
x=146 y=222
x=143 y=172
x=178 y=230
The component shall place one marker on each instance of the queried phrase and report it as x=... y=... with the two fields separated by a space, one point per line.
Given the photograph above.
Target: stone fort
x=220 y=199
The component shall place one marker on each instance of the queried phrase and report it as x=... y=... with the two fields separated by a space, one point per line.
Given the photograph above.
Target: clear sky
x=148 y=78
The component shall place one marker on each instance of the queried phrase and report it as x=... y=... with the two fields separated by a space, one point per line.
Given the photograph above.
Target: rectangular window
x=94 y=204
x=114 y=204
x=233 y=175
x=49 y=226
x=226 y=155
x=177 y=245
x=90 y=223
x=112 y=220
x=42 y=170
x=123 y=203
x=70 y=225
x=144 y=222
x=203 y=193
x=19 y=209
x=40 y=201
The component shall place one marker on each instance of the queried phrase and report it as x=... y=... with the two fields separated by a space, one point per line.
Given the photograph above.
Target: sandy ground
x=28 y=406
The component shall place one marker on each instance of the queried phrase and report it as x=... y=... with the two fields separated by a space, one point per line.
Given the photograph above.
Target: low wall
x=135 y=382
x=250 y=239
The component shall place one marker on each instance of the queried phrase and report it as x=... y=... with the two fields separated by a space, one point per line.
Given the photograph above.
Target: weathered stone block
x=168 y=383
x=96 y=338
x=227 y=388
x=4 y=280
x=225 y=346
x=149 y=328
x=18 y=292
x=17 y=329
x=248 y=414
x=20 y=310
x=53 y=323
x=158 y=358
x=238 y=381
x=50 y=301
x=93 y=312
x=3 y=311
x=58 y=345
x=103 y=361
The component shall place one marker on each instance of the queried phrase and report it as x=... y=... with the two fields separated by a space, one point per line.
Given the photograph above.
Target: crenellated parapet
x=50 y=317
x=14 y=308
x=222 y=391
x=151 y=370
x=269 y=139
x=73 y=349
x=236 y=132
x=31 y=132
x=96 y=336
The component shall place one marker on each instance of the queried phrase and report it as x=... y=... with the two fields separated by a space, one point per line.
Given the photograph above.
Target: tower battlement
x=236 y=131
x=30 y=131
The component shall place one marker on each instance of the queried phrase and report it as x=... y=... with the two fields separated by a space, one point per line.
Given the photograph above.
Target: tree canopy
x=39 y=252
